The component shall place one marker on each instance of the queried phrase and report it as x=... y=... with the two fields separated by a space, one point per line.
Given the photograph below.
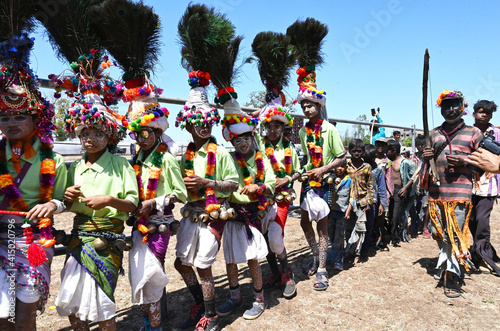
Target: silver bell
x=231 y=213
x=271 y=201
x=214 y=214
x=204 y=217
x=152 y=228
x=329 y=180
x=163 y=228
x=289 y=198
x=100 y=243
x=279 y=197
x=304 y=177
x=185 y=212
x=224 y=215
x=174 y=227
x=130 y=243
x=337 y=180
x=120 y=244
x=261 y=214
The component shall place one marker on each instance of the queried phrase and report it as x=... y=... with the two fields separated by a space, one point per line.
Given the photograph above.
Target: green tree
x=258 y=100
x=60 y=108
x=407 y=142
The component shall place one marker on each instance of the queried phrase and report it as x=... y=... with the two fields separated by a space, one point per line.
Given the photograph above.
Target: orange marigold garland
x=36 y=255
x=210 y=195
x=287 y=162
x=259 y=176
x=153 y=179
x=315 y=147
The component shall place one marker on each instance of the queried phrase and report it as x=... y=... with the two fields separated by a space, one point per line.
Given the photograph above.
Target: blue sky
x=374 y=53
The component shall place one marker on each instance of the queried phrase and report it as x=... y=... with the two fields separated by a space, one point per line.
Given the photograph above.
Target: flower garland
x=287 y=162
x=36 y=255
x=153 y=179
x=452 y=94
x=315 y=147
x=211 y=198
x=259 y=176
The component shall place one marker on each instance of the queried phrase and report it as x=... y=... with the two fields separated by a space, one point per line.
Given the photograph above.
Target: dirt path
x=392 y=291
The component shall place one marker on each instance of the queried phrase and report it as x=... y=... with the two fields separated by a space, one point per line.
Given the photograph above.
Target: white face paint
x=93 y=140
x=243 y=144
x=310 y=109
x=203 y=132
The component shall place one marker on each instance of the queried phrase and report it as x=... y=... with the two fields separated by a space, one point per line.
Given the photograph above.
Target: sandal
x=321 y=283
x=311 y=268
x=451 y=289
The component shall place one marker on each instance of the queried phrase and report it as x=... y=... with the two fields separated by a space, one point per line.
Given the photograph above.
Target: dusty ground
x=392 y=291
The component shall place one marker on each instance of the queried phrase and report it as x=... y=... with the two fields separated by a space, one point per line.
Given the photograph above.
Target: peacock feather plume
x=307 y=37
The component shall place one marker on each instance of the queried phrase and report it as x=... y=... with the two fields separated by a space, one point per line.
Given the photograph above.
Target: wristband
x=262 y=189
x=59 y=206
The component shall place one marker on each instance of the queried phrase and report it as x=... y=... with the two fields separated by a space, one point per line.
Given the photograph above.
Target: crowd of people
x=360 y=199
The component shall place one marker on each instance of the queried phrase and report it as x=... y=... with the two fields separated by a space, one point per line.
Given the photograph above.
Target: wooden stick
x=432 y=162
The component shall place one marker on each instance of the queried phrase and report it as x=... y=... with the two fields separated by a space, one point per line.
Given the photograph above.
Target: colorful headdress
x=202 y=31
x=455 y=94
x=307 y=37
x=19 y=92
x=136 y=55
x=235 y=125
x=275 y=56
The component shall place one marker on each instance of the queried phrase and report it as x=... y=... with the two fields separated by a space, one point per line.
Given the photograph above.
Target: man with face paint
x=160 y=185
x=210 y=177
x=321 y=144
x=450 y=202
x=33 y=180
x=101 y=192
x=243 y=241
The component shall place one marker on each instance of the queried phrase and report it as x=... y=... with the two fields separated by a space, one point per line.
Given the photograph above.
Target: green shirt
x=170 y=181
x=30 y=185
x=224 y=168
x=269 y=178
x=110 y=175
x=332 y=144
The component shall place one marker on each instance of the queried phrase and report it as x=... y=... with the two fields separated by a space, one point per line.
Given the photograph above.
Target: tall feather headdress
x=202 y=32
x=275 y=57
x=308 y=37
x=131 y=33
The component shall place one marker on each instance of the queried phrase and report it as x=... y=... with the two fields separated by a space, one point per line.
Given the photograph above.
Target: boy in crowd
x=361 y=197
x=399 y=184
x=380 y=203
x=337 y=219
x=484 y=194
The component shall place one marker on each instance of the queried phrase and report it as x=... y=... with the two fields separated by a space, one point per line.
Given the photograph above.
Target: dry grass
x=392 y=291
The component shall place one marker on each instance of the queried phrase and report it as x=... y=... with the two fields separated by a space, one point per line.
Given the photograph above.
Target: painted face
x=451 y=109
x=93 y=140
x=340 y=170
x=243 y=143
x=274 y=129
x=17 y=127
x=356 y=152
x=310 y=109
x=146 y=138
x=482 y=117
x=203 y=132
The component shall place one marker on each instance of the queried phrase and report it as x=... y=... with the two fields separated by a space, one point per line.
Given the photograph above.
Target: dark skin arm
x=97 y=202
x=194 y=182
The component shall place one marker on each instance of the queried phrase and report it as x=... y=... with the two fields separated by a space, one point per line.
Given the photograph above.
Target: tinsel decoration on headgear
x=307 y=37
x=275 y=56
x=19 y=94
x=131 y=33
x=455 y=94
x=201 y=31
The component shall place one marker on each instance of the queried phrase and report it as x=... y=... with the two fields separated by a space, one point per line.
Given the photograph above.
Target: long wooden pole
x=424 y=115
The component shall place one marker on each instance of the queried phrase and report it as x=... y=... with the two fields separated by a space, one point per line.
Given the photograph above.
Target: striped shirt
x=456 y=182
